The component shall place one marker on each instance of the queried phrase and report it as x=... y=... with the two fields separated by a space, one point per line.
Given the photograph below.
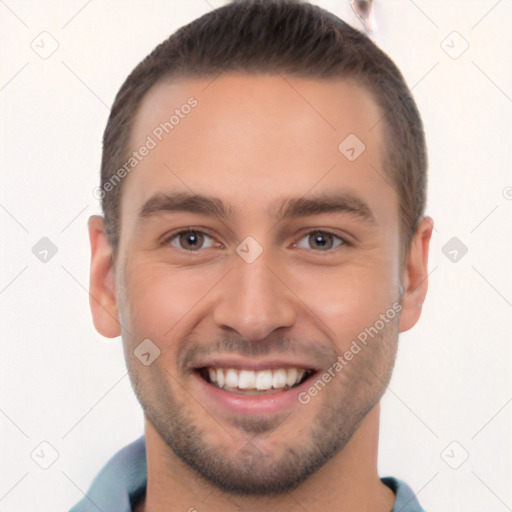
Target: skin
x=253 y=150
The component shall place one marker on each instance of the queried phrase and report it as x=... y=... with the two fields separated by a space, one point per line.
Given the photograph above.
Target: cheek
x=158 y=299
x=352 y=298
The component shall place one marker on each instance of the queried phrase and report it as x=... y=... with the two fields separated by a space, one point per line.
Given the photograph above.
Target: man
x=263 y=244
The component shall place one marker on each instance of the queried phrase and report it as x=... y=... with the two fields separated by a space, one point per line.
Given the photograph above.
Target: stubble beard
x=254 y=470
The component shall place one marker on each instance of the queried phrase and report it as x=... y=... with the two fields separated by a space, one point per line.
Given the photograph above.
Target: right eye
x=190 y=240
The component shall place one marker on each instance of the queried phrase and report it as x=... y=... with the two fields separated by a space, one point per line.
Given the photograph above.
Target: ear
x=102 y=298
x=415 y=275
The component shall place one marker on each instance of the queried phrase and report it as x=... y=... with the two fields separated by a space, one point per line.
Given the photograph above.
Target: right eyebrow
x=185 y=202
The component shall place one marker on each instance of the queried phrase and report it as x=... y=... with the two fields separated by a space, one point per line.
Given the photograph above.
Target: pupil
x=320 y=240
x=192 y=239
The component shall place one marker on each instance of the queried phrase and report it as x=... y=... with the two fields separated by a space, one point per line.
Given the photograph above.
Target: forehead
x=255 y=139
x=266 y=102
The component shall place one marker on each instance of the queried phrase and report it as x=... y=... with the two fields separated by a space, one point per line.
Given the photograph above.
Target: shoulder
x=121 y=481
x=405 y=498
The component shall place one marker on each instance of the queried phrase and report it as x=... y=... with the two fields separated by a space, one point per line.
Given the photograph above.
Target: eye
x=321 y=240
x=189 y=240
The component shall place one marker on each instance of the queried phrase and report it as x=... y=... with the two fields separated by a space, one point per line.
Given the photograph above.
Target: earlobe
x=102 y=297
x=415 y=275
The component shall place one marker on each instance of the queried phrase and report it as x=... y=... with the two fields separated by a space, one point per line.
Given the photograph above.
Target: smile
x=254 y=382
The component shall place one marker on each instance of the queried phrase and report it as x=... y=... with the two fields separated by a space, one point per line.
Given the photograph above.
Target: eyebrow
x=294 y=207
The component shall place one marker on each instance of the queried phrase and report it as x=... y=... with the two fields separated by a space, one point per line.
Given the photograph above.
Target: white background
x=63 y=383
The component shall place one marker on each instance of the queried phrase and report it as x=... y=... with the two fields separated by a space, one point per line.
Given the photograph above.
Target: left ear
x=415 y=275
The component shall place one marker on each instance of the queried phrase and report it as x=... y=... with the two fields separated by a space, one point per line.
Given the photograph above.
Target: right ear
x=102 y=297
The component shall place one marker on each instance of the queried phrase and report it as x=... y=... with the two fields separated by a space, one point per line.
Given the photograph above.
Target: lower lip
x=252 y=404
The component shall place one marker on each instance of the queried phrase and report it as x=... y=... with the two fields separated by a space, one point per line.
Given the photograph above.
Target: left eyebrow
x=325 y=203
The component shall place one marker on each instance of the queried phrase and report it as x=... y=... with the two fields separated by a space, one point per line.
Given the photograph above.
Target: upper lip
x=251 y=364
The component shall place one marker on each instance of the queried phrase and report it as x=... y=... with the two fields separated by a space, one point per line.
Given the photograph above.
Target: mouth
x=233 y=385
x=255 y=382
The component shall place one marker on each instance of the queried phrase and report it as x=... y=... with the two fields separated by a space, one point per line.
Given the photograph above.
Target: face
x=264 y=266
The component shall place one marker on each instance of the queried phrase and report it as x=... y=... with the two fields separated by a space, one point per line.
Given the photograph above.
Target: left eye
x=321 y=240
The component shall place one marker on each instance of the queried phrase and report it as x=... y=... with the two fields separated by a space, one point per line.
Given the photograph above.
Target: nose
x=255 y=300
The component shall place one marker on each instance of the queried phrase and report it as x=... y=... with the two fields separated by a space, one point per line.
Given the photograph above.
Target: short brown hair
x=277 y=36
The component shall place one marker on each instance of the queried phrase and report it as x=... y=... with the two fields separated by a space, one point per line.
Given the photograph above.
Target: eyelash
x=176 y=234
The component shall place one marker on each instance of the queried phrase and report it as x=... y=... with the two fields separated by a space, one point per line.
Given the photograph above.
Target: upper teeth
x=261 y=380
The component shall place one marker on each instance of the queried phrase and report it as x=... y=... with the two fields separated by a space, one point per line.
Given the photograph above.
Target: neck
x=348 y=482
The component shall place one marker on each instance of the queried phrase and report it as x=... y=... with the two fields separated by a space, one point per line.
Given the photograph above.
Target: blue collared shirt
x=122 y=483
